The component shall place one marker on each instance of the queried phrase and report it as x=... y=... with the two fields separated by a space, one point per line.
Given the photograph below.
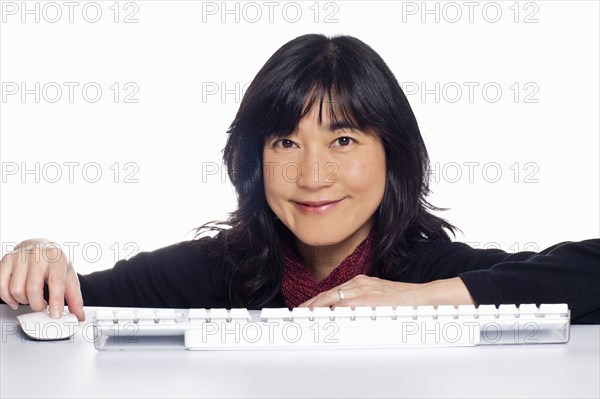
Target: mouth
x=316 y=207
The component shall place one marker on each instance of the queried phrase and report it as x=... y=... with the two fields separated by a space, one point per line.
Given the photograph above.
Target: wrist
x=450 y=291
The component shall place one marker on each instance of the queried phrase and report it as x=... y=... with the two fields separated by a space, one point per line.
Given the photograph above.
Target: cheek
x=366 y=175
x=269 y=182
x=275 y=187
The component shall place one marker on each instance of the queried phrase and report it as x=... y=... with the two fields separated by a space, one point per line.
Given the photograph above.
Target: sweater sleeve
x=568 y=272
x=176 y=276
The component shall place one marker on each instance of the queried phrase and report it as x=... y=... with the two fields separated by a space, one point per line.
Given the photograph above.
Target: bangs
x=322 y=97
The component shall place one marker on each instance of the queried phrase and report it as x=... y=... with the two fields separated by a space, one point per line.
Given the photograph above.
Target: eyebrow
x=342 y=126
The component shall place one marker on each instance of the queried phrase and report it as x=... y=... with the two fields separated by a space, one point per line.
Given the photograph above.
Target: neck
x=322 y=260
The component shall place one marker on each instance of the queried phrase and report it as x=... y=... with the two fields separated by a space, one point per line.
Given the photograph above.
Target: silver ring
x=341 y=294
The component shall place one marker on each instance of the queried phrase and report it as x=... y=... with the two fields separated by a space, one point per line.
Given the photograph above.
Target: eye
x=345 y=141
x=285 y=143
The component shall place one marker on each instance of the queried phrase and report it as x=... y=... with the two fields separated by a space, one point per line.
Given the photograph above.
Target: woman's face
x=321 y=162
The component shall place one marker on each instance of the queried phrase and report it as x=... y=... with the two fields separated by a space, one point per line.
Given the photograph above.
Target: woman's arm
x=568 y=272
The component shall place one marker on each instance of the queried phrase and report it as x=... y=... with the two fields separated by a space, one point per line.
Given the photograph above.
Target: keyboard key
x=363 y=313
x=145 y=316
x=236 y=314
x=301 y=314
x=528 y=310
x=466 y=311
x=198 y=315
x=275 y=314
x=425 y=312
x=125 y=316
x=507 y=311
x=384 y=313
x=487 y=311
x=343 y=313
x=166 y=316
x=405 y=312
x=218 y=315
x=554 y=309
x=446 y=312
x=106 y=317
x=322 y=314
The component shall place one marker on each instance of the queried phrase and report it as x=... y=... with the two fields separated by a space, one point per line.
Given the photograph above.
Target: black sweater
x=184 y=276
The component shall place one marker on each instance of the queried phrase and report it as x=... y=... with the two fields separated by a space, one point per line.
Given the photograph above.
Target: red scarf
x=299 y=285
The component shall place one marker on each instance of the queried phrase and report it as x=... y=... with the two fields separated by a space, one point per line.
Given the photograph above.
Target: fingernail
x=55 y=312
x=14 y=306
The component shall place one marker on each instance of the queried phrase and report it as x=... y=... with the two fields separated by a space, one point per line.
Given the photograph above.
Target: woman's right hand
x=24 y=271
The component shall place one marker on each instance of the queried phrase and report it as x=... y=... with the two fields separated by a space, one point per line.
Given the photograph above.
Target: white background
x=177 y=50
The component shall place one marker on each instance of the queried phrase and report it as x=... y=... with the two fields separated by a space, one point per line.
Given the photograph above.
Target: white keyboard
x=301 y=328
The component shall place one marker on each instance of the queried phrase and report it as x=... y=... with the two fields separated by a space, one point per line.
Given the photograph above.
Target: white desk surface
x=76 y=369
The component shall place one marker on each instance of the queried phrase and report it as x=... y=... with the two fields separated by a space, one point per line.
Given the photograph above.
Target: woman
x=331 y=175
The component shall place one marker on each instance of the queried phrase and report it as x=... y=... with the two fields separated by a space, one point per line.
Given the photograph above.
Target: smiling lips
x=316 y=207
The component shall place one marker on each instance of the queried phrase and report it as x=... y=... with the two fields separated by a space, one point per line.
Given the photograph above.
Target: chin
x=318 y=238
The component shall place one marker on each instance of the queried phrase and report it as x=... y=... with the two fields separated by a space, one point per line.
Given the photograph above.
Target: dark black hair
x=305 y=72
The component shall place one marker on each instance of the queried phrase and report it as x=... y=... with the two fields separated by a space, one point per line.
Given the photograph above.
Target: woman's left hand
x=363 y=290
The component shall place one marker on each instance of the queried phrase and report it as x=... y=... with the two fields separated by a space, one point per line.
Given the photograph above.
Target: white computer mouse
x=40 y=326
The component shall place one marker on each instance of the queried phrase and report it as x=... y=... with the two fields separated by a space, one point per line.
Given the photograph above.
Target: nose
x=317 y=169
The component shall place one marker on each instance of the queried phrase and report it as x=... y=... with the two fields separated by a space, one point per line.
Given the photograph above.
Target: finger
x=57 y=274
x=73 y=295
x=307 y=303
x=303 y=305
x=326 y=299
x=34 y=283
x=6 y=268
x=16 y=285
x=316 y=299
